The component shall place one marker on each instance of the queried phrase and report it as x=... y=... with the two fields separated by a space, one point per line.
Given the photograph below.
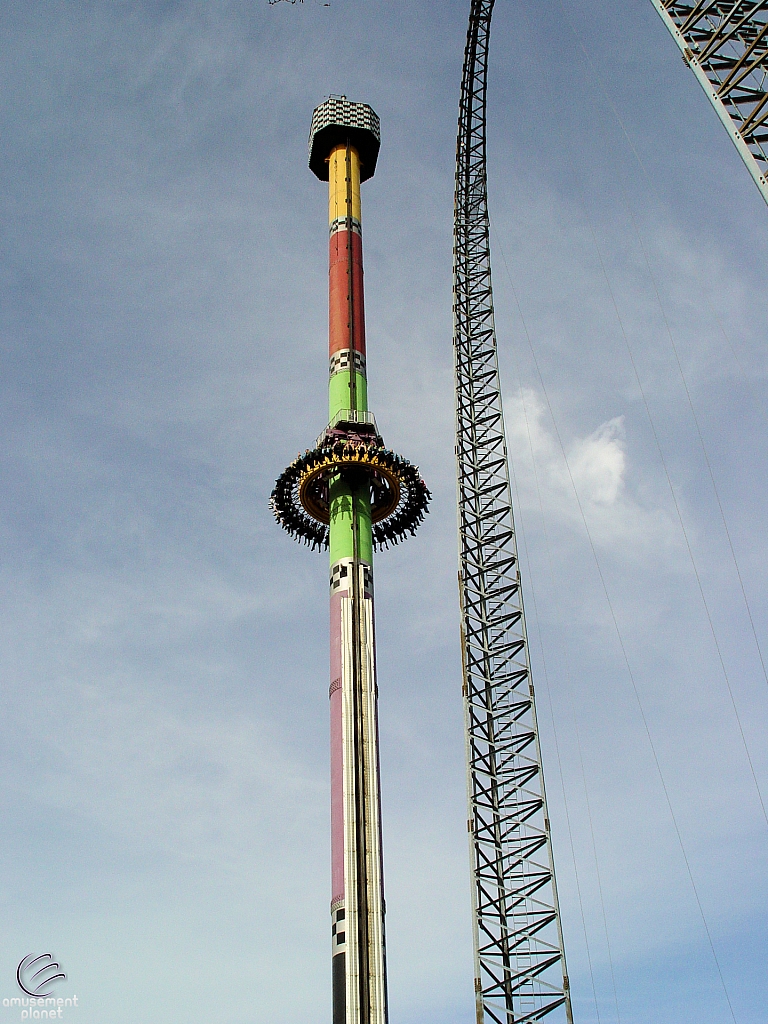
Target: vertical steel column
x=357 y=899
x=520 y=972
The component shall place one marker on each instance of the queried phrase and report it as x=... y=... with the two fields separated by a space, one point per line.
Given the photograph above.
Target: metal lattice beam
x=725 y=44
x=520 y=972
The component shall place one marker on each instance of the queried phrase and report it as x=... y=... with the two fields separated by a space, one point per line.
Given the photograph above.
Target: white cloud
x=626 y=517
x=598 y=463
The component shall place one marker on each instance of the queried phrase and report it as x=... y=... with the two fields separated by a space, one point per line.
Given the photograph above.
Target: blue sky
x=163 y=646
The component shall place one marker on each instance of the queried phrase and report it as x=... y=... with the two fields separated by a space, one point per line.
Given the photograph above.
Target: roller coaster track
x=520 y=969
x=725 y=44
x=520 y=972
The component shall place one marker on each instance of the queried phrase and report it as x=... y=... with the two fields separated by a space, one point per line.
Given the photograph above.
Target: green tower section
x=342 y=395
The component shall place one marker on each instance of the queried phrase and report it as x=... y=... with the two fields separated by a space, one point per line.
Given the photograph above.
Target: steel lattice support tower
x=725 y=44
x=520 y=972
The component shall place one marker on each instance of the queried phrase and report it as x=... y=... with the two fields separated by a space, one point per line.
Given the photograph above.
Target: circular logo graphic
x=35 y=974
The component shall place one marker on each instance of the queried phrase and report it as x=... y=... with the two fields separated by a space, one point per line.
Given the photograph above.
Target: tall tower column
x=357 y=896
x=351 y=494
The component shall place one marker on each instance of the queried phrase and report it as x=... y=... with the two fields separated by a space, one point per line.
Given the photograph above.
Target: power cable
x=652 y=277
x=621 y=643
x=744 y=379
x=559 y=616
x=569 y=687
x=531 y=587
x=679 y=516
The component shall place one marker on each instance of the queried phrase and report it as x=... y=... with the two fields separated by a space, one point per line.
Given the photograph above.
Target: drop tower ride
x=351 y=494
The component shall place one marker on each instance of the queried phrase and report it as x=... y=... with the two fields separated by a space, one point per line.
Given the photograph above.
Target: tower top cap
x=337 y=120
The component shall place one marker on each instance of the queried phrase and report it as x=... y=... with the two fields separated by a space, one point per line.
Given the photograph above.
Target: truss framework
x=725 y=44
x=520 y=973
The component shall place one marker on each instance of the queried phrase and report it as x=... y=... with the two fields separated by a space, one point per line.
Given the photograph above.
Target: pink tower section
x=337 y=755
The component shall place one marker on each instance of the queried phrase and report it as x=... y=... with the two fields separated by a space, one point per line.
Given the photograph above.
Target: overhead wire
x=744 y=378
x=607 y=594
x=569 y=689
x=519 y=517
x=679 y=514
x=554 y=729
x=625 y=656
x=609 y=101
x=548 y=687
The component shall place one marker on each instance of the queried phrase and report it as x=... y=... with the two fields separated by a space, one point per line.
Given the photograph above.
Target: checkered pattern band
x=338 y=929
x=340 y=224
x=341 y=361
x=341 y=572
x=340 y=575
x=367 y=580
